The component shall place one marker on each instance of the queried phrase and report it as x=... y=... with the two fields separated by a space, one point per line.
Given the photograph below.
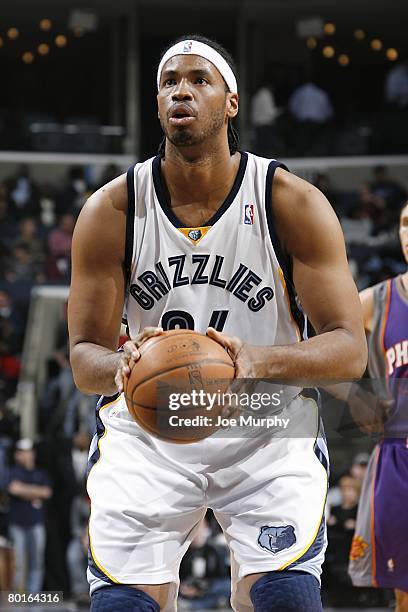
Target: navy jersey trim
x=284 y=260
x=100 y=430
x=314 y=549
x=164 y=200
x=130 y=224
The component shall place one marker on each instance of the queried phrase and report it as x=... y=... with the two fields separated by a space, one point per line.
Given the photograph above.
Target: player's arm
x=310 y=234
x=97 y=294
x=97 y=289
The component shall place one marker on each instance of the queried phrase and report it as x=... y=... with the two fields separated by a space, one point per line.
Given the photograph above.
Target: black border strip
x=130 y=225
x=164 y=201
x=283 y=259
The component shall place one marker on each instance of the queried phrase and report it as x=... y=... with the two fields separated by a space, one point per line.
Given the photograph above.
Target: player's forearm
x=333 y=355
x=94 y=368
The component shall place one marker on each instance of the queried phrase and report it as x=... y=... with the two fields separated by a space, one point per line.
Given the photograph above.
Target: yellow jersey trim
x=194 y=234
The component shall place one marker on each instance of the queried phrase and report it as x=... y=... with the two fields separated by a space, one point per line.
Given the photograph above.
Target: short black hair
x=233 y=136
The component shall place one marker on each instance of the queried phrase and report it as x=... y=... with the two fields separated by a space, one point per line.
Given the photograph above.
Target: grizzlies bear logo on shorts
x=276 y=539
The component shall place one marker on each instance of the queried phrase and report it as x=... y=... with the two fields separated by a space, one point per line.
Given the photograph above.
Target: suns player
x=379 y=554
x=212 y=238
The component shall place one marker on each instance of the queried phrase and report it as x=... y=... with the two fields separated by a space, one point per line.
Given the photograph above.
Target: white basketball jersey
x=229 y=274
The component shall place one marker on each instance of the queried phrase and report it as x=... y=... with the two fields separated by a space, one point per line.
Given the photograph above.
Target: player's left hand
x=243 y=355
x=244 y=358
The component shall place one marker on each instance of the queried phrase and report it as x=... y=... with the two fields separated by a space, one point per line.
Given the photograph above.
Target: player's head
x=197 y=93
x=403 y=230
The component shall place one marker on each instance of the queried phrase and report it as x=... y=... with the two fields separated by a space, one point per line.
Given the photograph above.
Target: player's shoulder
x=102 y=221
x=378 y=292
x=112 y=194
x=287 y=185
x=374 y=299
x=295 y=201
x=290 y=187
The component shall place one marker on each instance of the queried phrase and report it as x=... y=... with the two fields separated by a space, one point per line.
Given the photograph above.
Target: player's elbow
x=79 y=371
x=357 y=365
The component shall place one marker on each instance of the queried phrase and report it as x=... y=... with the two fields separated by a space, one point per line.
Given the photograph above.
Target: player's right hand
x=131 y=354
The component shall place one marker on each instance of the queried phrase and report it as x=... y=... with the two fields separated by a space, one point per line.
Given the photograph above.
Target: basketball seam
x=159 y=373
x=175 y=332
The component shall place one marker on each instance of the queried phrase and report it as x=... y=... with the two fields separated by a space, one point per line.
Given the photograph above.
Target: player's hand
x=369 y=412
x=131 y=354
x=243 y=355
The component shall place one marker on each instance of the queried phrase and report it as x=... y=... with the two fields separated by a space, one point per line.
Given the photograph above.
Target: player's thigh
x=276 y=521
x=144 y=508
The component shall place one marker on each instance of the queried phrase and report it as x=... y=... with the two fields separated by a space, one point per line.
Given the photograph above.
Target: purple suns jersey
x=388 y=354
x=379 y=553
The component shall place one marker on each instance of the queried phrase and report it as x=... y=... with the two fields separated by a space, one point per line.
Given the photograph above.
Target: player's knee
x=286 y=591
x=121 y=598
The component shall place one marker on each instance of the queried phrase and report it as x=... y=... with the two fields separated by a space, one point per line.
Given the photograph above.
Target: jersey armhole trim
x=283 y=260
x=130 y=224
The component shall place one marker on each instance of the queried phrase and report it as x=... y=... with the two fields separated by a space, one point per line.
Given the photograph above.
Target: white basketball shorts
x=147 y=497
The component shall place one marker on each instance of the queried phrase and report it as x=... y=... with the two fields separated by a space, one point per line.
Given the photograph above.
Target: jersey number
x=178 y=319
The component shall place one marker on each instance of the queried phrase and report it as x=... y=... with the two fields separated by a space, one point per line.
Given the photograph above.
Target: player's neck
x=193 y=175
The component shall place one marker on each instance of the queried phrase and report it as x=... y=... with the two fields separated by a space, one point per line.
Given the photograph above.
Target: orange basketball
x=168 y=389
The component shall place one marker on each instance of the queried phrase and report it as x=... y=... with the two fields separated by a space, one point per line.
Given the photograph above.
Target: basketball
x=168 y=388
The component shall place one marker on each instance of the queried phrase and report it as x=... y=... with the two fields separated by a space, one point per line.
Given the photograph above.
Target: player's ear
x=232 y=105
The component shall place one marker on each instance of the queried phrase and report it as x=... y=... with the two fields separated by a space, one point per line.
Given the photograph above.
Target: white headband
x=194 y=47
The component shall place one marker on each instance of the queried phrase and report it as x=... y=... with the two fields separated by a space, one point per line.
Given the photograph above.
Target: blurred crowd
x=303 y=120
x=44 y=507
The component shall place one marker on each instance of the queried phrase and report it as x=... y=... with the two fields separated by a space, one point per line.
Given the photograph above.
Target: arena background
x=77 y=107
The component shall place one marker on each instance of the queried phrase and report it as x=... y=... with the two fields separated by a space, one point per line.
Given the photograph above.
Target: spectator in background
x=59 y=246
x=23 y=194
x=77 y=552
x=358 y=467
x=75 y=193
x=8 y=435
x=204 y=575
x=29 y=239
x=4 y=206
x=310 y=103
x=311 y=108
x=29 y=488
x=11 y=341
x=387 y=191
x=343 y=517
x=111 y=172
x=322 y=181
x=263 y=113
x=341 y=523
x=21 y=267
x=396 y=86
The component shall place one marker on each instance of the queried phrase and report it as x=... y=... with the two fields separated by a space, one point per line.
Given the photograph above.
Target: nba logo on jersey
x=249 y=214
x=187 y=46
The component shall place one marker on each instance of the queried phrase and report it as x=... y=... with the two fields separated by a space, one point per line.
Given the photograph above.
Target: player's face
x=403 y=232
x=193 y=103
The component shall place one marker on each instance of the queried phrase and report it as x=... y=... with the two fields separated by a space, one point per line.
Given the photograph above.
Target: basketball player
x=205 y=236
x=379 y=553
